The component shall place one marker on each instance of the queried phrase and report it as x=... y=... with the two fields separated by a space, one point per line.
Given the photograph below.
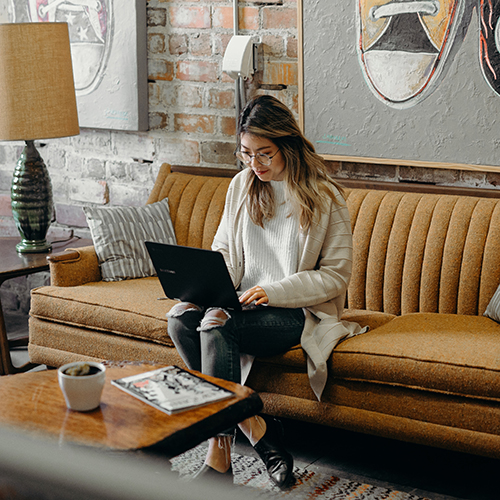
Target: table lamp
x=37 y=101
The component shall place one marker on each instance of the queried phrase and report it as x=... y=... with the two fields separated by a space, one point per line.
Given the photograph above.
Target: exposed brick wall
x=191 y=113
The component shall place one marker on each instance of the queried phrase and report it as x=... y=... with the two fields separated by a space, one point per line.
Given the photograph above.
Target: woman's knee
x=181 y=308
x=214 y=318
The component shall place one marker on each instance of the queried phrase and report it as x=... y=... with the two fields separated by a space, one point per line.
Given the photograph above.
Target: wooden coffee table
x=33 y=402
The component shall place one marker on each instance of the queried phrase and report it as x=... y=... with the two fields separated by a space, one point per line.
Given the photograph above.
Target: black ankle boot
x=278 y=461
x=208 y=472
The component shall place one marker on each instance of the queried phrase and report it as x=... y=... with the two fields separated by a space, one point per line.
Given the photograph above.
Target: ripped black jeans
x=211 y=341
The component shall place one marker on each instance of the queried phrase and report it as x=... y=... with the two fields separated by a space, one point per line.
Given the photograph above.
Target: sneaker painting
x=489 y=41
x=90 y=33
x=404 y=46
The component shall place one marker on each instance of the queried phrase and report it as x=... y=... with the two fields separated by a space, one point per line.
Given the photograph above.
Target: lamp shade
x=37 y=91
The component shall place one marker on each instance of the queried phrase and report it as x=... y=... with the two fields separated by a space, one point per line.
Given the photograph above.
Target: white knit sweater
x=319 y=285
x=271 y=252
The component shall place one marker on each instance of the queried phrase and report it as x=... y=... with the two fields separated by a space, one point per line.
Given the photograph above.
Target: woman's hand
x=257 y=294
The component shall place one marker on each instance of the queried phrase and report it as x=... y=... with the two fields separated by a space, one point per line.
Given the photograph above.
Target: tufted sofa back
x=423 y=252
x=412 y=252
x=196 y=204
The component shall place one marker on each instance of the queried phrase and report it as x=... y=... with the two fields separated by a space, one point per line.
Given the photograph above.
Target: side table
x=12 y=265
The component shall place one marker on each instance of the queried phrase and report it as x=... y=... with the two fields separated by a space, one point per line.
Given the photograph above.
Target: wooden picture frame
x=450 y=124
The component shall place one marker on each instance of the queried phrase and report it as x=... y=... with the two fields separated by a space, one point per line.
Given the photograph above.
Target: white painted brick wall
x=88 y=191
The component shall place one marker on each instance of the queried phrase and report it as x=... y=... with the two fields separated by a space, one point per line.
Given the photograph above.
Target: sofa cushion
x=118 y=234
x=430 y=353
x=372 y=319
x=445 y=353
x=129 y=307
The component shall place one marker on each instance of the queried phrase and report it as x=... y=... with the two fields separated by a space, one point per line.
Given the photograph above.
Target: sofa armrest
x=74 y=266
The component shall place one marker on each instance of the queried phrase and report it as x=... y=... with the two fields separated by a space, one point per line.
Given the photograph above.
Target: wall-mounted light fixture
x=239 y=59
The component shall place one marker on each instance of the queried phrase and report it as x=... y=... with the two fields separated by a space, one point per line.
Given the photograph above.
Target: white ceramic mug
x=82 y=392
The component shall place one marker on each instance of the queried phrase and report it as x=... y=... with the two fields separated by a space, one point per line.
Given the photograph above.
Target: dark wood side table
x=12 y=265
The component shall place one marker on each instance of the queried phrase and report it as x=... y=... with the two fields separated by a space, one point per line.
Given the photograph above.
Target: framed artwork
x=404 y=82
x=109 y=55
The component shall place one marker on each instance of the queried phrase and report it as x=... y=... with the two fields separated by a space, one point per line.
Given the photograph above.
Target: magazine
x=172 y=389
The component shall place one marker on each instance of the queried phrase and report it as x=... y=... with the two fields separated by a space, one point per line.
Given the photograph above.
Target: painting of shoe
x=404 y=46
x=489 y=41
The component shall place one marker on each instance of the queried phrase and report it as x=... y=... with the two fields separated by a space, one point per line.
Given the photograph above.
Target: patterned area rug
x=249 y=471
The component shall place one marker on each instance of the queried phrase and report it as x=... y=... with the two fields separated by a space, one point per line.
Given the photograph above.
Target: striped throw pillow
x=119 y=233
x=493 y=309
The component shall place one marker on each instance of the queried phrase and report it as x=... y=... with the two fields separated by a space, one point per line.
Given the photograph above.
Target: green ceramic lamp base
x=33 y=246
x=31 y=201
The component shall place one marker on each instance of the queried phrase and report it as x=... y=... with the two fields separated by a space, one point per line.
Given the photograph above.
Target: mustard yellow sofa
x=425 y=268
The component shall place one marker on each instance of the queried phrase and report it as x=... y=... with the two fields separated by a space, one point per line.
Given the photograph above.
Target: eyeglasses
x=262 y=158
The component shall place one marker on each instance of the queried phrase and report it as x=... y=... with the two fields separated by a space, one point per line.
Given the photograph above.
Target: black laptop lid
x=193 y=275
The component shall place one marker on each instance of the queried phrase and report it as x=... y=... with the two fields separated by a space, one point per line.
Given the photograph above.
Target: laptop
x=193 y=275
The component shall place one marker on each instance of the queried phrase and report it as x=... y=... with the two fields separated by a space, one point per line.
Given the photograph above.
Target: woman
x=286 y=238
